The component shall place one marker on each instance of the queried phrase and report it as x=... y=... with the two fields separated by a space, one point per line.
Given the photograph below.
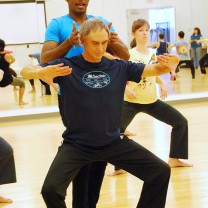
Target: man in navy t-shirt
x=93 y=96
x=62 y=40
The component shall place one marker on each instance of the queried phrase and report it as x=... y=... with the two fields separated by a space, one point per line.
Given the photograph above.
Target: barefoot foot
x=128 y=133
x=22 y=103
x=117 y=172
x=32 y=91
x=5 y=200
x=174 y=163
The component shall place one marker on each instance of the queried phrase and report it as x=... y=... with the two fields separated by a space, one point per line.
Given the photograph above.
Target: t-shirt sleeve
x=134 y=71
x=52 y=31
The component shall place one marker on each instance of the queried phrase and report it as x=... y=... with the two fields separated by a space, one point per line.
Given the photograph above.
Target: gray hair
x=92 y=25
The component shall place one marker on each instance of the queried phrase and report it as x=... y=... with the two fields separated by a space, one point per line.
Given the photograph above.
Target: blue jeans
x=196 y=54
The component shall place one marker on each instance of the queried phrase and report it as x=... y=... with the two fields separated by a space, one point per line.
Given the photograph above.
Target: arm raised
x=166 y=63
x=47 y=74
x=117 y=46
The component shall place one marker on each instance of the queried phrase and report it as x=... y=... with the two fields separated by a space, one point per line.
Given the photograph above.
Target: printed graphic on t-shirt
x=142 y=61
x=144 y=82
x=96 y=79
x=183 y=49
x=139 y=61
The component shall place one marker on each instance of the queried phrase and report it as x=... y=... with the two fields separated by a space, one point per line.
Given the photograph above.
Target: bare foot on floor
x=117 y=172
x=5 y=200
x=128 y=133
x=23 y=103
x=174 y=163
x=32 y=91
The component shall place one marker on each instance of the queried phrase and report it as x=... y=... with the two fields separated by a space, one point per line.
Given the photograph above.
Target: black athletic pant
x=47 y=87
x=124 y=153
x=202 y=62
x=87 y=184
x=167 y=114
x=7 y=164
x=32 y=82
x=188 y=63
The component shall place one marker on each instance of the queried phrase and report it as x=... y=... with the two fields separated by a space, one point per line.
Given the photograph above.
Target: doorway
x=161 y=20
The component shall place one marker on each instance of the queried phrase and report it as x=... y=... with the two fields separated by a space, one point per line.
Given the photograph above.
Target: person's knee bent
x=18 y=82
x=181 y=122
x=49 y=190
x=22 y=84
x=7 y=149
x=166 y=169
x=165 y=172
x=184 y=122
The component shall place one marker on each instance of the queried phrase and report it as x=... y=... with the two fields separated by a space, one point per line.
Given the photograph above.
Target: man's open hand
x=47 y=74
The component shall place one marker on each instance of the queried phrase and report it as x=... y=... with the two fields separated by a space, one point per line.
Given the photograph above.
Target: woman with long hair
x=196 y=46
x=142 y=97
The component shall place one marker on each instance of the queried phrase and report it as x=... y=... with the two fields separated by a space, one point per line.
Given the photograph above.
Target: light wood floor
x=35 y=143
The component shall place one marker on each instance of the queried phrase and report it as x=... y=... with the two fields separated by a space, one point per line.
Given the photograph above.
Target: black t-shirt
x=4 y=66
x=93 y=97
x=163 y=48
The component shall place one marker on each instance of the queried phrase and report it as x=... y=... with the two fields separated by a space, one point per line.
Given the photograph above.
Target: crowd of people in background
x=188 y=51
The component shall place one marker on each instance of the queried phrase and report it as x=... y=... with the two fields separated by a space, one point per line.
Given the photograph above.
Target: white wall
x=21 y=53
x=188 y=13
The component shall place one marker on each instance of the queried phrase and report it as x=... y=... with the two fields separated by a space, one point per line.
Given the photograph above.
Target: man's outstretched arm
x=166 y=63
x=47 y=74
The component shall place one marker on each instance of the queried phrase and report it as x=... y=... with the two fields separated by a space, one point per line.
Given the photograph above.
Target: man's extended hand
x=169 y=60
x=47 y=74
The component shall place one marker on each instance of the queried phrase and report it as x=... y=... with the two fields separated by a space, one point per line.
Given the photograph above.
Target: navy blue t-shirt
x=93 y=97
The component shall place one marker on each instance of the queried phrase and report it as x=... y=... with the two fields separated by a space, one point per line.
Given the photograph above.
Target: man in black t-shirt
x=93 y=96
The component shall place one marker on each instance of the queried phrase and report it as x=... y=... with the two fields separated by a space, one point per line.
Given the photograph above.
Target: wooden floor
x=35 y=143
